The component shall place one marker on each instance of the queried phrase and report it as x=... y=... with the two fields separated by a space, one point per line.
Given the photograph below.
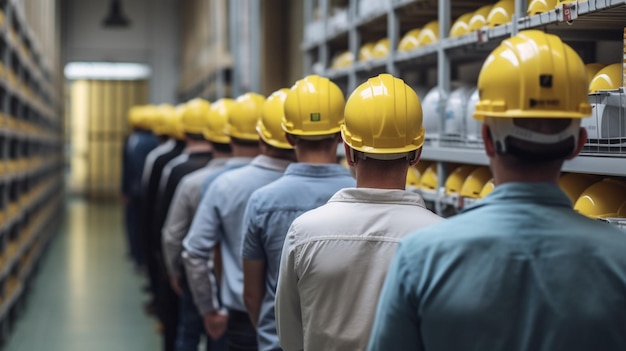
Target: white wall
x=152 y=38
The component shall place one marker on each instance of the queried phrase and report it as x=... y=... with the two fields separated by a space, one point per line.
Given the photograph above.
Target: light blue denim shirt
x=219 y=220
x=270 y=212
x=519 y=271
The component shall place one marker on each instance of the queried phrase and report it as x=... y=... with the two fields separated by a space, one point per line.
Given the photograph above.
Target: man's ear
x=488 y=141
x=582 y=139
x=418 y=154
x=352 y=161
x=290 y=139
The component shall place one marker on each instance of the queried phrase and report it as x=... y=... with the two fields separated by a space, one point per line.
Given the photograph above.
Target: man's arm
x=253 y=287
x=288 y=312
x=203 y=236
x=396 y=325
x=174 y=231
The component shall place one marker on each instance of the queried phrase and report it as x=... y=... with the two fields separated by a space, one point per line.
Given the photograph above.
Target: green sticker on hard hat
x=316 y=117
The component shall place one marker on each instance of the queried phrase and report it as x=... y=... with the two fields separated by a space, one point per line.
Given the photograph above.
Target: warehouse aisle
x=86 y=295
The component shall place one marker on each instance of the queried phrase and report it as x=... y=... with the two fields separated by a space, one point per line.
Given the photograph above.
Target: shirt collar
x=384 y=196
x=237 y=161
x=311 y=170
x=538 y=193
x=272 y=163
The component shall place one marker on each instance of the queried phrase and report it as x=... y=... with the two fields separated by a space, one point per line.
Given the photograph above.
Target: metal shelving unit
x=31 y=165
x=329 y=31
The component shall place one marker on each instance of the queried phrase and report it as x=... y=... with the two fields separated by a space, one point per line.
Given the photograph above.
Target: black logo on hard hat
x=545 y=80
x=534 y=102
x=316 y=117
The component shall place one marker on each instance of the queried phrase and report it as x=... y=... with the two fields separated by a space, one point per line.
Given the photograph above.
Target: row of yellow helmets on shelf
x=604 y=77
x=593 y=196
x=486 y=16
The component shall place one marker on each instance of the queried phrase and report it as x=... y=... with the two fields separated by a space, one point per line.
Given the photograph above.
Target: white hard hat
x=456 y=108
x=472 y=126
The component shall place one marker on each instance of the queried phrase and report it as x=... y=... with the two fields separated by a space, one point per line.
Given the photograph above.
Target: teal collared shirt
x=519 y=271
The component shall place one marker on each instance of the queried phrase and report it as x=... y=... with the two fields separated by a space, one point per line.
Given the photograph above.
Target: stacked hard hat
x=269 y=126
x=381 y=49
x=479 y=18
x=244 y=116
x=457 y=178
x=573 y=184
x=461 y=25
x=195 y=115
x=472 y=126
x=431 y=107
x=488 y=188
x=366 y=52
x=429 y=179
x=343 y=60
x=455 y=111
x=175 y=122
x=383 y=120
x=313 y=108
x=139 y=116
x=501 y=13
x=419 y=37
x=414 y=175
x=410 y=40
x=604 y=199
x=474 y=183
x=608 y=119
x=536 y=7
x=219 y=112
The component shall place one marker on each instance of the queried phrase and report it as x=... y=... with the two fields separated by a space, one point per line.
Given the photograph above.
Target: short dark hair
x=221 y=147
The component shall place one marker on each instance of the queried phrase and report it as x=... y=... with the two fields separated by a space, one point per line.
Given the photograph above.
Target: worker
x=307 y=184
x=197 y=153
x=219 y=220
x=333 y=265
x=521 y=270
x=170 y=147
x=136 y=149
x=180 y=214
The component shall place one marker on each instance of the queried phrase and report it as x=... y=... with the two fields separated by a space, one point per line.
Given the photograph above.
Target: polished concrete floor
x=86 y=295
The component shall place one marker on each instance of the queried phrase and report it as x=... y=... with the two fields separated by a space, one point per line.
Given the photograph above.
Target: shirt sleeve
x=252 y=248
x=177 y=223
x=205 y=232
x=287 y=309
x=396 y=325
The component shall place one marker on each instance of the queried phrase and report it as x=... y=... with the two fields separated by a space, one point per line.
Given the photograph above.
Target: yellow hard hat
x=383 y=116
x=550 y=75
x=381 y=49
x=461 y=25
x=560 y=2
x=313 y=108
x=479 y=18
x=409 y=41
x=365 y=53
x=573 y=184
x=608 y=78
x=475 y=182
x=217 y=121
x=592 y=69
x=135 y=116
x=429 y=179
x=604 y=199
x=244 y=116
x=540 y=6
x=457 y=178
x=413 y=177
x=429 y=33
x=343 y=60
x=488 y=188
x=268 y=126
x=161 y=125
x=501 y=13
x=195 y=115
x=176 y=128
